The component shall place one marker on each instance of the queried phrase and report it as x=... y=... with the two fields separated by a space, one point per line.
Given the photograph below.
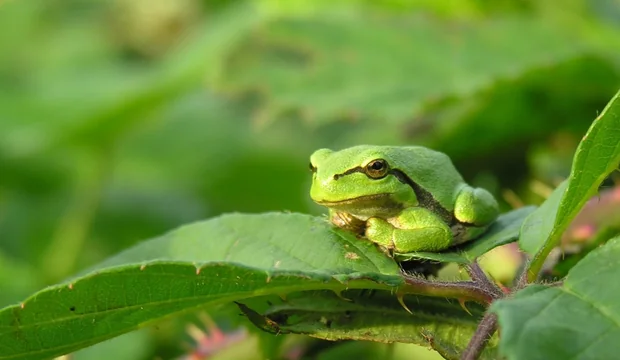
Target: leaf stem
x=523 y=277
x=486 y=329
x=462 y=290
x=479 y=277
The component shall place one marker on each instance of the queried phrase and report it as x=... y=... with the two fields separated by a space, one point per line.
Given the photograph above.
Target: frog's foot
x=347 y=221
x=475 y=207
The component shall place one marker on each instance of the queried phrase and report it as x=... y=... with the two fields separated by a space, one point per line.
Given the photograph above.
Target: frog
x=405 y=199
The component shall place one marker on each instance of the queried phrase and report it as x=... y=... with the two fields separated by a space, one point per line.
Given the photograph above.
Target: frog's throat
x=356 y=200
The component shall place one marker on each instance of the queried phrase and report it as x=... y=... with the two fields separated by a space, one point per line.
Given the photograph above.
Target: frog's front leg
x=347 y=221
x=414 y=229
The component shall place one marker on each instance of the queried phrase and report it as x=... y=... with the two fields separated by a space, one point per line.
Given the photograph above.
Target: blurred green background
x=122 y=119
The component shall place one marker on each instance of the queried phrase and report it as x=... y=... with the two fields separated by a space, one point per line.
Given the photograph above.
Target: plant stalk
x=461 y=290
x=479 y=277
x=486 y=329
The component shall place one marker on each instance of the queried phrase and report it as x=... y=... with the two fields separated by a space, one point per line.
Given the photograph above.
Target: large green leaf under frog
x=229 y=258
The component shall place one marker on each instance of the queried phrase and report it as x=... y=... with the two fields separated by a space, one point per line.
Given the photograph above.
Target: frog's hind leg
x=414 y=229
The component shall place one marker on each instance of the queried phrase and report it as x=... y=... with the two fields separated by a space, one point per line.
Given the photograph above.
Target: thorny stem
x=479 y=277
x=480 y=289
x=522 y=278
x=462 y=290
x=484 y=332
x=488 y=324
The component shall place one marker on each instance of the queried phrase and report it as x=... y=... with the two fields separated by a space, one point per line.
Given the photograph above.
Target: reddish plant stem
x=480 y=289
x=479 y=277
x=462 y=290
x=486 y=329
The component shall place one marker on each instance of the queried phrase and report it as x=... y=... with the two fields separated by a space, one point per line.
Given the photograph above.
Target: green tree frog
x=404 y=198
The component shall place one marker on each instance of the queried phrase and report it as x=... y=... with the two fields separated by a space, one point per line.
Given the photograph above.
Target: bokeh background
x=123 y=119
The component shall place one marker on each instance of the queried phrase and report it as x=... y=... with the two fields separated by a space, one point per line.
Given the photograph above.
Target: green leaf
x=217 y=261
x=578 y=320
x=328 y=66
x=373 y=350
x=272 y=241
x=505 y=230
x=539 y=224
x=374 y=317
x=596 y=157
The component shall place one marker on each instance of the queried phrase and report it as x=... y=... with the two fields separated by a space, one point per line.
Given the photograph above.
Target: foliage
x=579 y=300
x=123 y=119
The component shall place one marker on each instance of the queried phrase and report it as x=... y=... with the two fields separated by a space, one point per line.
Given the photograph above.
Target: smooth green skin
x=421 y=204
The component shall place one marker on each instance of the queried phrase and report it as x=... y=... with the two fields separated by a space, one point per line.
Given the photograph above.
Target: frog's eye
x=312 y=168
x=376 y=169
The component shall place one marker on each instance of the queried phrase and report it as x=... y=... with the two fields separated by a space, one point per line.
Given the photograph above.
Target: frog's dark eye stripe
x=376 y=169
x=348 y=172
x=312 y=168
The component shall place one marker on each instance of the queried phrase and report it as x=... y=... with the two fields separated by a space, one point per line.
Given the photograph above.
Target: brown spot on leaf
x=351 y=256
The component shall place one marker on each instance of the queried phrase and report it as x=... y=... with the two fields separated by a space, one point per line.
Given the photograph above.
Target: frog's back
x=432 y=170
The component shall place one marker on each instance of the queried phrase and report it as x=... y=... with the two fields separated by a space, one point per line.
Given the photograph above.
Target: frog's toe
x=475 y=206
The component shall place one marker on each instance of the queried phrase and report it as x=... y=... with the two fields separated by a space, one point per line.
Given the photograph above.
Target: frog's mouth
x=356 y=200
x=369 y=205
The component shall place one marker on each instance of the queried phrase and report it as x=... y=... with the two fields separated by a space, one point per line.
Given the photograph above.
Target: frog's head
x=359 y=180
